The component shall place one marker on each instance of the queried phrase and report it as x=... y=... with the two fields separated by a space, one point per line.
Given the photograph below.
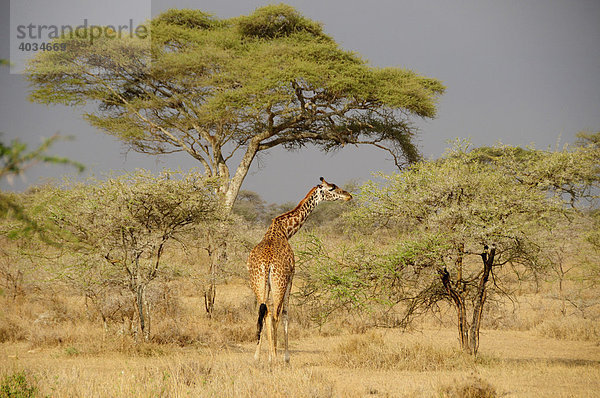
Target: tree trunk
x=217 y=253
x=210 y=290
x=217 y=244
x=139 y=301
x=488 y=260
x=461 y=309
x=469 y=334
x=148 y=307
x=561 y=293
x=242 y=170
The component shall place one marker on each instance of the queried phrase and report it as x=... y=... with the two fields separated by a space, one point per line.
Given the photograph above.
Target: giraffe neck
x=289 y=223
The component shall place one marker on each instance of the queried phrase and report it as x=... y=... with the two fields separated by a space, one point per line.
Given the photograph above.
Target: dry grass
x=471 y=387
x=64 y=352
x=523 y=364
x=373 y=352
x=176 y=373
x=570 y=329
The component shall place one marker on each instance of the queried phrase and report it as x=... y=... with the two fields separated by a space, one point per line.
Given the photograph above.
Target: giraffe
x=271 y=265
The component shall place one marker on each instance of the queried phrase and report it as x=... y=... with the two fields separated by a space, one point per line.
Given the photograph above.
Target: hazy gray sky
x=518 y=72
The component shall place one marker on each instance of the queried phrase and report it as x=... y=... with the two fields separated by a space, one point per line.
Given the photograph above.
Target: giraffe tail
x=262 y=311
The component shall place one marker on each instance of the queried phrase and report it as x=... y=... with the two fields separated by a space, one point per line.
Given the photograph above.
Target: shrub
x=72 y=351
x=17 y=385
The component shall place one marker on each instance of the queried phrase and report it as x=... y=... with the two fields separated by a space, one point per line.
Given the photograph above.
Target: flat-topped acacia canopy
x=218 y=87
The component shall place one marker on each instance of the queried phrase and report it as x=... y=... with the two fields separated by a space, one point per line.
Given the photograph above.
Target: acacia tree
x=459 y=223
x=117 y=231
x=223 y=90
x=473 y=215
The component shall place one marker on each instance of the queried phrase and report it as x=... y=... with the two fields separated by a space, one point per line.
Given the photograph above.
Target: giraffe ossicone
x=271 y=265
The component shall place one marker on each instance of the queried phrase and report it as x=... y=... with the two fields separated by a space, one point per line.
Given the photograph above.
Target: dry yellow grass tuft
x=372 y=351
x=199 y=374
x=471 y=387
x=570 y=329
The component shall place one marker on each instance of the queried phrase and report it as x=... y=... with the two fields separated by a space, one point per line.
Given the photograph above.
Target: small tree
x=119 y=229
x=489 y=203
x=250 y=206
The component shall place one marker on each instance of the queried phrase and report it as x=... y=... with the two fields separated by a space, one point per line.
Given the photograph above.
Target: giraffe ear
x=322 y=179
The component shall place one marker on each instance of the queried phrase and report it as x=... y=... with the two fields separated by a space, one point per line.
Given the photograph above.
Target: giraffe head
x=331 y=192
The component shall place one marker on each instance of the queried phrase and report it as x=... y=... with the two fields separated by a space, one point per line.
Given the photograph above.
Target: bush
x=17 y=385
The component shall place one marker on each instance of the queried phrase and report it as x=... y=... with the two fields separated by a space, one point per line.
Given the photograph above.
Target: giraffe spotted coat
x=271 y=264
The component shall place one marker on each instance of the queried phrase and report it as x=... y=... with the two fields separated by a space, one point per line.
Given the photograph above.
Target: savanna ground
x=52 y=347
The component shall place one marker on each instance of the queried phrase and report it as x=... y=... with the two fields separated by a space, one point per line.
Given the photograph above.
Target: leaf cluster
x=15 y=158
x=457 y=197
x=275 y=21
x=572 y=173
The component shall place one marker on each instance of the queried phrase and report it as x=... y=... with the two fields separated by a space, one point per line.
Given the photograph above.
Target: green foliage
x=188 y=19
x=127 y=219
x=275 y=21
x=331 y=284
x=72 y=351
x=250 y=206
x=14 y=157
x=17 y=385
x=440 y=218
x=572 y=173
x=14 y=160
x=369 y=276
x=588 y=139
x=464 y=201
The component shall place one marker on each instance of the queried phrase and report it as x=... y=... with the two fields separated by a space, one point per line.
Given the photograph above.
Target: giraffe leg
x=286 y=299
x=276 y=319
x=262 y=311
x=272 y=349
x=278 y=305
x=286 y=355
